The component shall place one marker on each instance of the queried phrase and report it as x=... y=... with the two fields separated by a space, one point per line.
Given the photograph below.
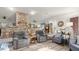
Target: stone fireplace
x=21 y=24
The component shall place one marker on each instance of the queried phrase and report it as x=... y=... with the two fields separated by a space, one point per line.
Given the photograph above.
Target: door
x=75 y=25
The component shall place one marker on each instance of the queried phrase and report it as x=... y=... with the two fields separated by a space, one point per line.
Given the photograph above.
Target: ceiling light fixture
x=33 y=12
x=10 y=8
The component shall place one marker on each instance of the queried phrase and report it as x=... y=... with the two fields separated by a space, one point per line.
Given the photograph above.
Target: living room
x=39 y=29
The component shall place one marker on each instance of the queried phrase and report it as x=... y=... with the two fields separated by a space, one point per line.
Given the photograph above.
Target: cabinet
x=50 y=28
x=46 y=28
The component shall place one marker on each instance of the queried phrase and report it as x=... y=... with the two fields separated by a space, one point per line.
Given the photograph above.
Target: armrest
x=75 y=46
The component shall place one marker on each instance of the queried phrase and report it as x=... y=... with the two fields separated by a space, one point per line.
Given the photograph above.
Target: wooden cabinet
x=47 y=28
x=50 y=28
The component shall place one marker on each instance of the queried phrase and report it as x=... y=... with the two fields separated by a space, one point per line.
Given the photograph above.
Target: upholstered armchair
x=41 y=37
x=4 y=46
x=58 y=38
x=20 y=39
x=73 y=46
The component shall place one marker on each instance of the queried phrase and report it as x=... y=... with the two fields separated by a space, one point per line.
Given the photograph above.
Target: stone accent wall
x=21 y=24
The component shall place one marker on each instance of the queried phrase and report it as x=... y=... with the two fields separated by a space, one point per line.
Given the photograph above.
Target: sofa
x=73 y=46
x=41 y=37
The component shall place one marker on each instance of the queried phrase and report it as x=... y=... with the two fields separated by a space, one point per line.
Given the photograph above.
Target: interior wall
x=63 y=17
x=12 y=19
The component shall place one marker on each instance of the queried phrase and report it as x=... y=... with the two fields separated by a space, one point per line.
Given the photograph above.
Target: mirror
x=60 y=23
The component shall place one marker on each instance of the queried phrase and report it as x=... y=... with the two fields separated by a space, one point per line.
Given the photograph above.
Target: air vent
x=4 y=17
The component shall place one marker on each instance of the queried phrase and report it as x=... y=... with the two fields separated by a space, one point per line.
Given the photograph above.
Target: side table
x=33 y=39
x=50 y=37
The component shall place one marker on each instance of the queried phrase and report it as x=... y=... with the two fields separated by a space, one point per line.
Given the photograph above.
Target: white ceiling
x=42 y=11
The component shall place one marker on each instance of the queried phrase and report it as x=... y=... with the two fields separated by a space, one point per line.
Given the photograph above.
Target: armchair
x=41 y=37
x=20 y=39
x=4 y=46
x=58 y=38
